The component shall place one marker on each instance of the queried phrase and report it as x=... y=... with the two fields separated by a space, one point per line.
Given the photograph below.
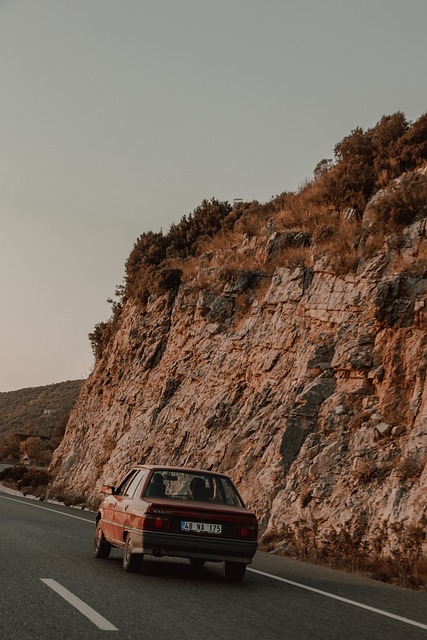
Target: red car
x=175 y=511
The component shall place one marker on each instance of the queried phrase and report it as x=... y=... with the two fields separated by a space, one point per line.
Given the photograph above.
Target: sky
x=118 y=117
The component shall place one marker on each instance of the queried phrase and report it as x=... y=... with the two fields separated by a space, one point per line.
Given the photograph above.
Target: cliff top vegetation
x=338 y=216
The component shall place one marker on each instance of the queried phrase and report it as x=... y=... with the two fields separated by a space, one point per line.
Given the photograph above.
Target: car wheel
x=131 y=561
x=235 y=571
x=197 y=563
x=102 y=548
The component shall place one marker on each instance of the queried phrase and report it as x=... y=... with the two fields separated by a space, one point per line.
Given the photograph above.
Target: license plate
x=200 y=527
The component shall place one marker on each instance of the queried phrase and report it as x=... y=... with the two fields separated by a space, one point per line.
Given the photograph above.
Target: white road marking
x=346 y=600
x=38 y=506
x=81 y=606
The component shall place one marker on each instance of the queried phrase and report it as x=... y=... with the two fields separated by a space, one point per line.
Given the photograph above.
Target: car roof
x=164 y=467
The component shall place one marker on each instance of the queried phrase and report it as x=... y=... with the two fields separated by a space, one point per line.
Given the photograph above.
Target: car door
x=110 y=505
x=108 y=508
x=124 y=502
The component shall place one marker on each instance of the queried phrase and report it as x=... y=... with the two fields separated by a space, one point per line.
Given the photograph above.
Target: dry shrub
x=206 y=280
x=393 y=570
x=303 y=213
x=407 y=559
x=274 y=537
x=221 y=261
x=349 y=550
x=294 y=257
x=338 y=245
x=224 y=242
x=189 y=268
x=419 y=573
x=61 y=493
x=324 y=234
x=253 y=218
x=251 y=260
x=250 y=226
x=21 y=475
x=365 y=471
x=28 y=480
x=334 y=237
x=403 y=203
x=410 y=468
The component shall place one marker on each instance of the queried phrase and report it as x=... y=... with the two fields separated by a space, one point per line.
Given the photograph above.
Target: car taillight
x=248 y=531
x=154 y=521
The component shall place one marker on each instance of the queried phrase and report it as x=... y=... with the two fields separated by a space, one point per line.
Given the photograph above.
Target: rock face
x=311 y=396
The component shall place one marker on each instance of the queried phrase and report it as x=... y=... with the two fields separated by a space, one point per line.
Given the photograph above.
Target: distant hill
x=38 y=411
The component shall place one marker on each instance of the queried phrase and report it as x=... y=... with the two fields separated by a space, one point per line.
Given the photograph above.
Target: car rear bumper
x=192 y=546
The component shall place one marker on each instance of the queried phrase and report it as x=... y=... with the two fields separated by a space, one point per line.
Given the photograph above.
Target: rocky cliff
x=286 y=345
x=307 y=387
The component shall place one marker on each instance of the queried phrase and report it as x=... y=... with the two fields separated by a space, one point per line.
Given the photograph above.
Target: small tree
x=9 y=446
x=32 y=446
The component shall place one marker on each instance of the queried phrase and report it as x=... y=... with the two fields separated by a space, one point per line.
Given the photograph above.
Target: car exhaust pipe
x=158 y=553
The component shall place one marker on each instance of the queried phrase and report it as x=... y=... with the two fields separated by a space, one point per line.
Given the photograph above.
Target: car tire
x=197 y=563
x=235 y=571
x=131 y=561
x=102 y=548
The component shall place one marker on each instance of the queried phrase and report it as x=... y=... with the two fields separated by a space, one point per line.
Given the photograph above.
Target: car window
x=179 y=485
x=135 y=483
x=228 y=493
x=122 y=488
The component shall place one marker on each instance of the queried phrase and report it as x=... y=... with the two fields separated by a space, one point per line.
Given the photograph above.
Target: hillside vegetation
x=33 y=420
x=337 y=216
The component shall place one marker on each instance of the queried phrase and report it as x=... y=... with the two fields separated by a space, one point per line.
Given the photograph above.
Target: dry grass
x=222 y=242
x=303 y=213
x=402 y=202
x=406 y=566
x=221 y=260
x=253 y=222
x=293 y=257
x=333 y=237
x=338 y=245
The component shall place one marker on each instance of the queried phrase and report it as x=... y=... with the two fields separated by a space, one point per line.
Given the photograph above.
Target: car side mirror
x=108 y=489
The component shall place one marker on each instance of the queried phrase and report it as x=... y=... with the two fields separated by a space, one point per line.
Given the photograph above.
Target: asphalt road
x=52 y=588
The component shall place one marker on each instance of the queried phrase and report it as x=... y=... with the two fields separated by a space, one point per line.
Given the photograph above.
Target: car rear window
x=180 y=485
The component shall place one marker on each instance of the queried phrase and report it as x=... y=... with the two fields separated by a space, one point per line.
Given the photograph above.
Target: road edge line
x=341 y=599
x=38 y=506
